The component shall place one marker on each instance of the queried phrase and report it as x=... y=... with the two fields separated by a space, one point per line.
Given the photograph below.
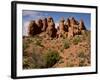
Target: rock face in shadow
x=82 y=26
x=40 y=25
x=44 y=24
x=67 y=28
x=33 y=28
x=51 y=30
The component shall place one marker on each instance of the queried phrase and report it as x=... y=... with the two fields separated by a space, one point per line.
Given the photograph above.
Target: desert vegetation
x=68 y=45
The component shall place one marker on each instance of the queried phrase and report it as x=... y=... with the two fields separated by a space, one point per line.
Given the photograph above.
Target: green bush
x=41 y=60
x=66 y=44
x=76 y=40
x=81 y=62
x=38 y=42
x=27 y=64
x=81 y=54
x=35 y=60
x=82 y=58
x=51 y=57
x=25 y=45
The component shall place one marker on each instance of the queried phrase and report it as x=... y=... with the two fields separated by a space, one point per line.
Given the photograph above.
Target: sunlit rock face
x=62 y=30
x=82 y=26
x=66 y=28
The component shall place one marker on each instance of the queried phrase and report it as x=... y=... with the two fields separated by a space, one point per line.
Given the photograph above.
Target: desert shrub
x=51 y=57
x=38 y=42
x=76 y=40
x=25 y=45
x=41 y=60
x=81 y=62
x=27 y=64
x=81 y=54
x=37 y=58
x=29 y=40
x=66 y=44
x=82 y=58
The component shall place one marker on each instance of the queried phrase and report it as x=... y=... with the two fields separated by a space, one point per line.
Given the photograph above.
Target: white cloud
x=33 y=15
x=25 y=28
x=26 y=12
x=56 y=25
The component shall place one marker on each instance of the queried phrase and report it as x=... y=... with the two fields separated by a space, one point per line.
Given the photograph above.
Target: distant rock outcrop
x=51 y=30
x=33 y=28
x=75 y=27
x=82 y=26
x=67 y=28
x=40 y=25
x=62 y=32
x=44 y=24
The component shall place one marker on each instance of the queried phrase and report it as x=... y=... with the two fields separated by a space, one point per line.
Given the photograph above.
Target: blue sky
x=28 y=15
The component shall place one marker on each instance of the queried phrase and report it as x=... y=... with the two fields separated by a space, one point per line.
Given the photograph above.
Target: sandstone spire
x=44 y=24
x=68 y=28
x=82 y=26
x=33 y=28
x=51 y=30
x=62 y=29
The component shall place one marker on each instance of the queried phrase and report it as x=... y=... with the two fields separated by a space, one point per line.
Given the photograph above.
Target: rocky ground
x=42 y=52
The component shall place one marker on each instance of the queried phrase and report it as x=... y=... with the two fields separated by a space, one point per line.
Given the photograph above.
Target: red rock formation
x=40 y=25
x=33 y=28
x=70 y=32
x=62 y=25
x=67 y=22
x=70 y=27
x=51 y=30
x=44 y=24
x=73 y=21
x=75 y=27
x=62 y=29
x=82 y=26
